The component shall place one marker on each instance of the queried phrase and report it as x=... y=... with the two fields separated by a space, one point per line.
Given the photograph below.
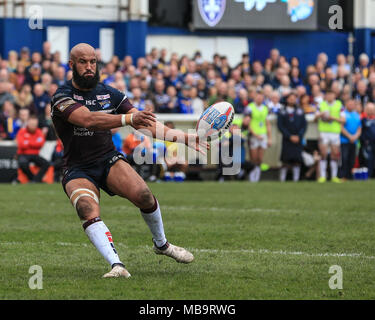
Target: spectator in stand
x=160 y=98
x=361 y=93
x=363 y=67
x=36 y=57
x=292 y=124
x=284 y=88
x=174 y=78
x=257 y=69
x=368 y=137
x=30 y=140
x=192 y=71
x=274 y=106
x=47 y=55
x=351 y=130
x=241 y=102
x=41 y=100
x=23 y=117
x=340 y=61
x=300 y=91
x=12 y=61
x=275 y=58
x=306 y=105
x=222 y=95
x=12 y=124
x=18 y=77
x=172 y=104
x=25 y=57
x=342 y=76
x=57 y=60
x=197 y=103
x=323 y=58
x=276 y=81
x=46 y=81
x=329 y=78
x=5 y=93
x=225 y=69
x=108 y=74
x=202 y=89
x=59 y=76
x=295 y=78
x=137 y=100
x=127 y=62
x=317 y=95
x=34 y=75
x=185 y=101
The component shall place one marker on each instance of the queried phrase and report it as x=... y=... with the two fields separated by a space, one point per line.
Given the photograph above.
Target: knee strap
x=79 y=193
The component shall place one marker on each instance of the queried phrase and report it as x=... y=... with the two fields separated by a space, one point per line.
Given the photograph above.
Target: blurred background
x=176 y=58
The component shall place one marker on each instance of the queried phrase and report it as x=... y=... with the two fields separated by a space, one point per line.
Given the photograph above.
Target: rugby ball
x=215 y=119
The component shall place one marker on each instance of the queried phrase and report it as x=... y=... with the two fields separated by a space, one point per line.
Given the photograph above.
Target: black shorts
x=96 y=172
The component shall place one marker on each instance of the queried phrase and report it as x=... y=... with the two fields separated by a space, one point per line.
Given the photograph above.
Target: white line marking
x=214 y=209
x=218 y=251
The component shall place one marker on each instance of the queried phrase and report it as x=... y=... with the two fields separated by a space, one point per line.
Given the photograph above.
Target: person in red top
x=30 y=140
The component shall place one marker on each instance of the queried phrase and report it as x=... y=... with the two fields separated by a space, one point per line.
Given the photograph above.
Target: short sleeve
x=120 y=101
x=63 y=104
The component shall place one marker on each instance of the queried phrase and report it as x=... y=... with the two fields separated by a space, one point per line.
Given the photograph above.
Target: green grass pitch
x=264 y=241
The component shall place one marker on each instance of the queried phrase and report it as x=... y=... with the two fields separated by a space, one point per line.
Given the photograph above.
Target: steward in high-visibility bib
x=330 y=116
x=260 y=130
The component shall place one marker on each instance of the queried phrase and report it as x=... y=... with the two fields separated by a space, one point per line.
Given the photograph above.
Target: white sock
x=155 y=224
x=252 y=175
x=296 y=173
x=323 y=168
x=258 y=173
x=283 y=174
x=334 y=168
x=101 y=238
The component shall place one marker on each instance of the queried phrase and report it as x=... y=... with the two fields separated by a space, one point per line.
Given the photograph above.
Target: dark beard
x=83 y=82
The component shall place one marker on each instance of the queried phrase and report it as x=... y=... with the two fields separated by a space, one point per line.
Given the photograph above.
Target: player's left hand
x=193 y=141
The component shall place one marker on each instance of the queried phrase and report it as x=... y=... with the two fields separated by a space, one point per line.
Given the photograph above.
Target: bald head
x=81 y=49
x=83 y=62
x=370 y=109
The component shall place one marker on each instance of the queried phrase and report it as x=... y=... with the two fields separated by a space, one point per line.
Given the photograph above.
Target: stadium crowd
x=180 y=84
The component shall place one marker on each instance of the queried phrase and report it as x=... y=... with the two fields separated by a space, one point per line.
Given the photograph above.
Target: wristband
x=127 y=119
x=123 y=120
x=131 y=119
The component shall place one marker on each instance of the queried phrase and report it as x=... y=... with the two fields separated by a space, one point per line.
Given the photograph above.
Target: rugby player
x=260 y=128
x=330 y=117
x=83 y=112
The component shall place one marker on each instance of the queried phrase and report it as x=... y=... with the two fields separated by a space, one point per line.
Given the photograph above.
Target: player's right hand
x=143 y=119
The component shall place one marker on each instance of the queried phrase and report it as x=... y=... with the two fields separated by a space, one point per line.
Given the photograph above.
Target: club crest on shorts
x=211 y=11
